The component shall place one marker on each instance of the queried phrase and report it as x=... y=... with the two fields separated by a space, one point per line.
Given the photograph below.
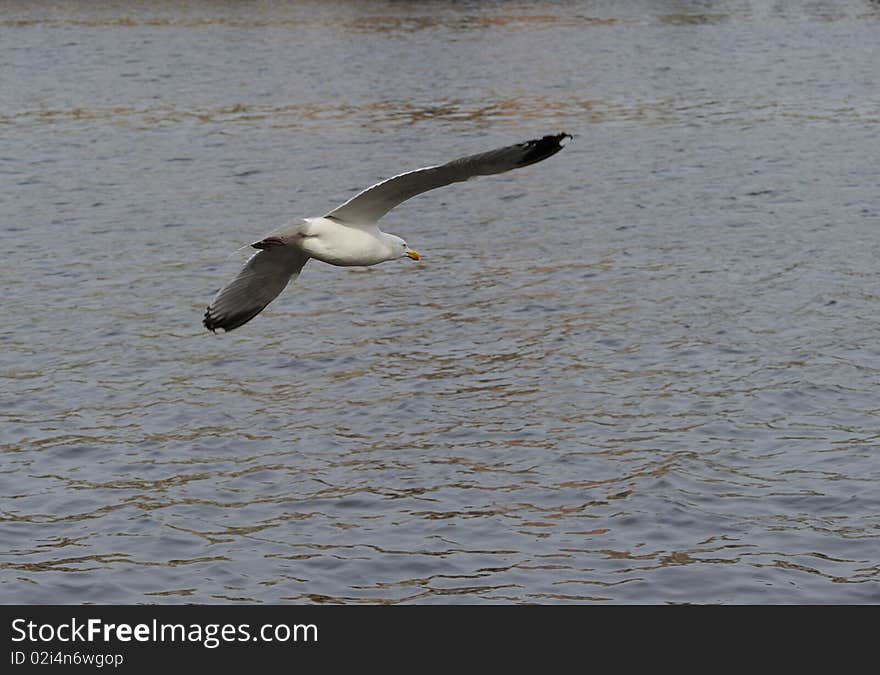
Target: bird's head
x=400 y=249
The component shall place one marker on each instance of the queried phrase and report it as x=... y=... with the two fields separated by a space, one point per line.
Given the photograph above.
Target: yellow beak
x=412 y=254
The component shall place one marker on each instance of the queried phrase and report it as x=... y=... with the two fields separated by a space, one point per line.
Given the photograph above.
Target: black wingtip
x=541 y=148
x=227 y=321
x=210 y=322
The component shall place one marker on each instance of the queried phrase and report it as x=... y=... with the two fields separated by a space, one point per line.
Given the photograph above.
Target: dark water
x=644 y=371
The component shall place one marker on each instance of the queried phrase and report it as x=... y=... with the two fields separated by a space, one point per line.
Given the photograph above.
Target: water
x=643 y=371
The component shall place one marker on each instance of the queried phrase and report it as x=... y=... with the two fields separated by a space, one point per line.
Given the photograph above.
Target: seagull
x=349 y=235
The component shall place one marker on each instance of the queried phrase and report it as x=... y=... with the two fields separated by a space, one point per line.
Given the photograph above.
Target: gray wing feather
x=370 y=205
x=263 y=277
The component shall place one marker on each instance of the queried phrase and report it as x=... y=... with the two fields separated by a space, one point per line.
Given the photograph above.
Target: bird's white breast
x=338 y=244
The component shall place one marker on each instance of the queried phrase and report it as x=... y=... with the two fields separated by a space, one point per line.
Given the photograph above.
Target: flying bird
x=349 y=236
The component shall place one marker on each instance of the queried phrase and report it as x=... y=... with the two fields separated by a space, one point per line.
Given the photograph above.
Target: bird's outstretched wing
x=260 y=281
x=370 y=205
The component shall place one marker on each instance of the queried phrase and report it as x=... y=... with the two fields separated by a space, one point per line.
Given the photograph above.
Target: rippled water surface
x=643 y=371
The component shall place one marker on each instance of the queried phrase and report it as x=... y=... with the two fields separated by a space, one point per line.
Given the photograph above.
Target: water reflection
x=390 y=114
x=401 y=18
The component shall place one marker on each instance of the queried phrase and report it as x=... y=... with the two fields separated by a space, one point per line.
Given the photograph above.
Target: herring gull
x=348 y=235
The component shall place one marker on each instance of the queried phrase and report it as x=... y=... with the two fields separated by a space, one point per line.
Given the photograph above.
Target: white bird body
x=337 y=243
x=349 y=235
